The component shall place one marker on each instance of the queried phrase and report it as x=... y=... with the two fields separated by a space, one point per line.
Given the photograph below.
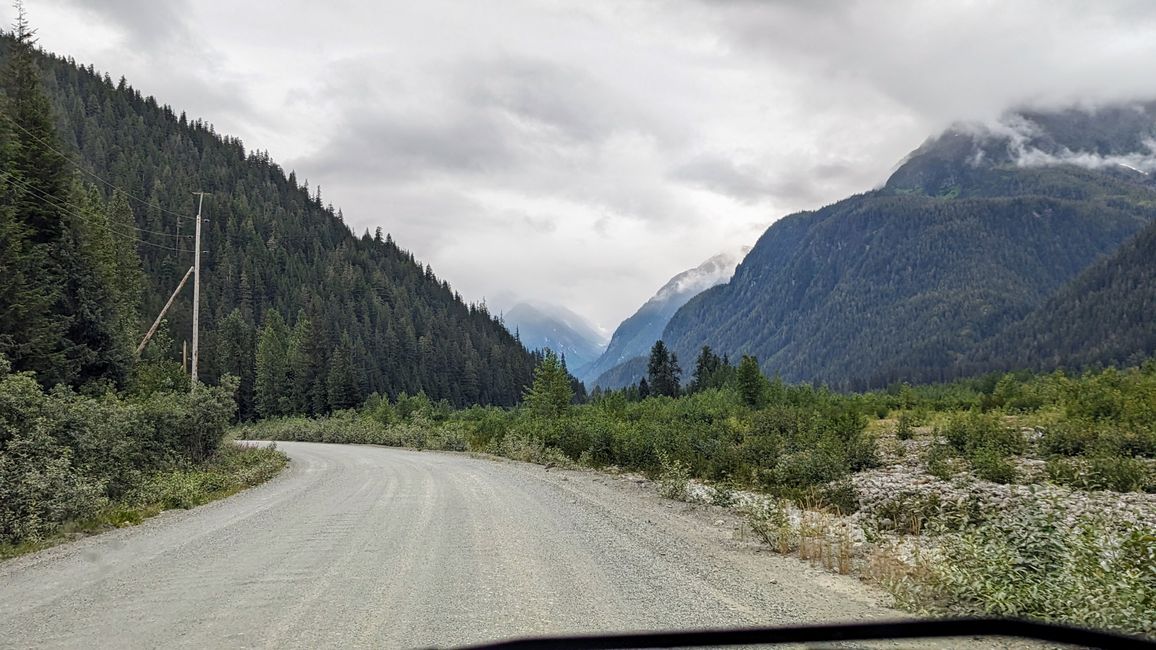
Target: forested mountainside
x=975 y=230
x=635 y=335
x=540 y=326
x=627 y=373
x=1107 y=315
x=365 y=315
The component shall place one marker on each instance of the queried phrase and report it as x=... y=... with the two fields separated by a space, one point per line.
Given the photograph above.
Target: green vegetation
x=71 y=462
x=805 y=448
x=1083 y=570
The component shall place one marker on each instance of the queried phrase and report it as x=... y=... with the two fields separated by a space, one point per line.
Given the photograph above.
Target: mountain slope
x=1106 y=316
x=272 y=244
x=627 y=373
x=635 y=335
x=971 y=233
x=540 y=326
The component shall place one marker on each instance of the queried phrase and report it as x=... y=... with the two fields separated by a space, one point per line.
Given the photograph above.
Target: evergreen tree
x=707 y=370
x=305 y=365
x=550 y=396
x=663 y=371
x=643 y=389
x=342 y=387
x=128 y=281
x=236 y=350
x=751 y=383
x=272 y=387
x=36 y=189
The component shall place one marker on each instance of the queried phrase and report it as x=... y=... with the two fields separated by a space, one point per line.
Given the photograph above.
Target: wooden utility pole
x=196 y=294
x=152 y=330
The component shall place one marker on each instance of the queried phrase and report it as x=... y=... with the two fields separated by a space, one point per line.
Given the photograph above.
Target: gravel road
x=368 y=546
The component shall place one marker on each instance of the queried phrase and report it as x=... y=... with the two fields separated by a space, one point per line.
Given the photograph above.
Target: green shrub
x=1115 y=473
x=1037 y=562
x=840 y=496
x=40 y=488
x=673 y=478
x=970 y=432
x=64 y=455
x=990 y=465
x=772 y=523
x=903 y=428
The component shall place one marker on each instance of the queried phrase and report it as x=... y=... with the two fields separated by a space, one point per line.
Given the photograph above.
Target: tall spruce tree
x=37 y=186
x=305 y=364
x=710 y=371
x=341 y=383
x=752 y=384
x=663 y=371
x=236 y=350
x=550 y=396
x=272 y=386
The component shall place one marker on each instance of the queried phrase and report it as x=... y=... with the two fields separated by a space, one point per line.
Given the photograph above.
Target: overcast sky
x=582 y=152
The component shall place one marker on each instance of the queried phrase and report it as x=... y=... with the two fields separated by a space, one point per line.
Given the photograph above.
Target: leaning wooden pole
x=157 y=322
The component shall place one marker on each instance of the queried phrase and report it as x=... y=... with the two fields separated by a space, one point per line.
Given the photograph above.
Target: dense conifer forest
x=100 y=180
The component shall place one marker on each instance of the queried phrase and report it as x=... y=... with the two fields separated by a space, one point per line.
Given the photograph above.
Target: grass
x=232 y=469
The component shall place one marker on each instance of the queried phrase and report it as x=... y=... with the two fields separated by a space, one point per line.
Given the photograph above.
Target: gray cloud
x=533 y=147
x=149 y=24
x=725 y=176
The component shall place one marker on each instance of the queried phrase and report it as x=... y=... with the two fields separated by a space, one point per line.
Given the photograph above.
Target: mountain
x=627 y=373
x=541 y=325
x=368 y=317
x=1103 y=317
x=635 y=335
x=975 y=230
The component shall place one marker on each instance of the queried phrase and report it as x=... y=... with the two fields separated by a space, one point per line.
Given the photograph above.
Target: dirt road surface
x=359 y=546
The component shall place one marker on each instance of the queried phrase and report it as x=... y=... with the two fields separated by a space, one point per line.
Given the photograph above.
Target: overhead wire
x=40 y=194
x=84 y=169
x=77 y=212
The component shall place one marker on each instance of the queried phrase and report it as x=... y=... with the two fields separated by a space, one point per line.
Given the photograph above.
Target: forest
x=376 y=319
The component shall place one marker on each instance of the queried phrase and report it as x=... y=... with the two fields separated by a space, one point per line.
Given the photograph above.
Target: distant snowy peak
x=716 y=270
x=542 y=325
x=635 y=335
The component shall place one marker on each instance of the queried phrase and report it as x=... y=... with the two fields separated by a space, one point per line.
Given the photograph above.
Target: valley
x=897 y=385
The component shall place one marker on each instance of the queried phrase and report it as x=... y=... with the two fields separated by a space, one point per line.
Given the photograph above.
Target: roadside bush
x=771 y=521
x=1089 y=438
x=41 y=489
x=232 y=469
x=350 y=427
x=1038 y=562
x=673 y=478
x=841 y=496
x=1114 y=473
x=941 y=460
x=797 y=447
x=64 y=455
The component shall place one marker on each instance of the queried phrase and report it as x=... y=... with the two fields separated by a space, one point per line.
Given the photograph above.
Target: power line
x=42 y=195
x=75 y=211
x=82 y=168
